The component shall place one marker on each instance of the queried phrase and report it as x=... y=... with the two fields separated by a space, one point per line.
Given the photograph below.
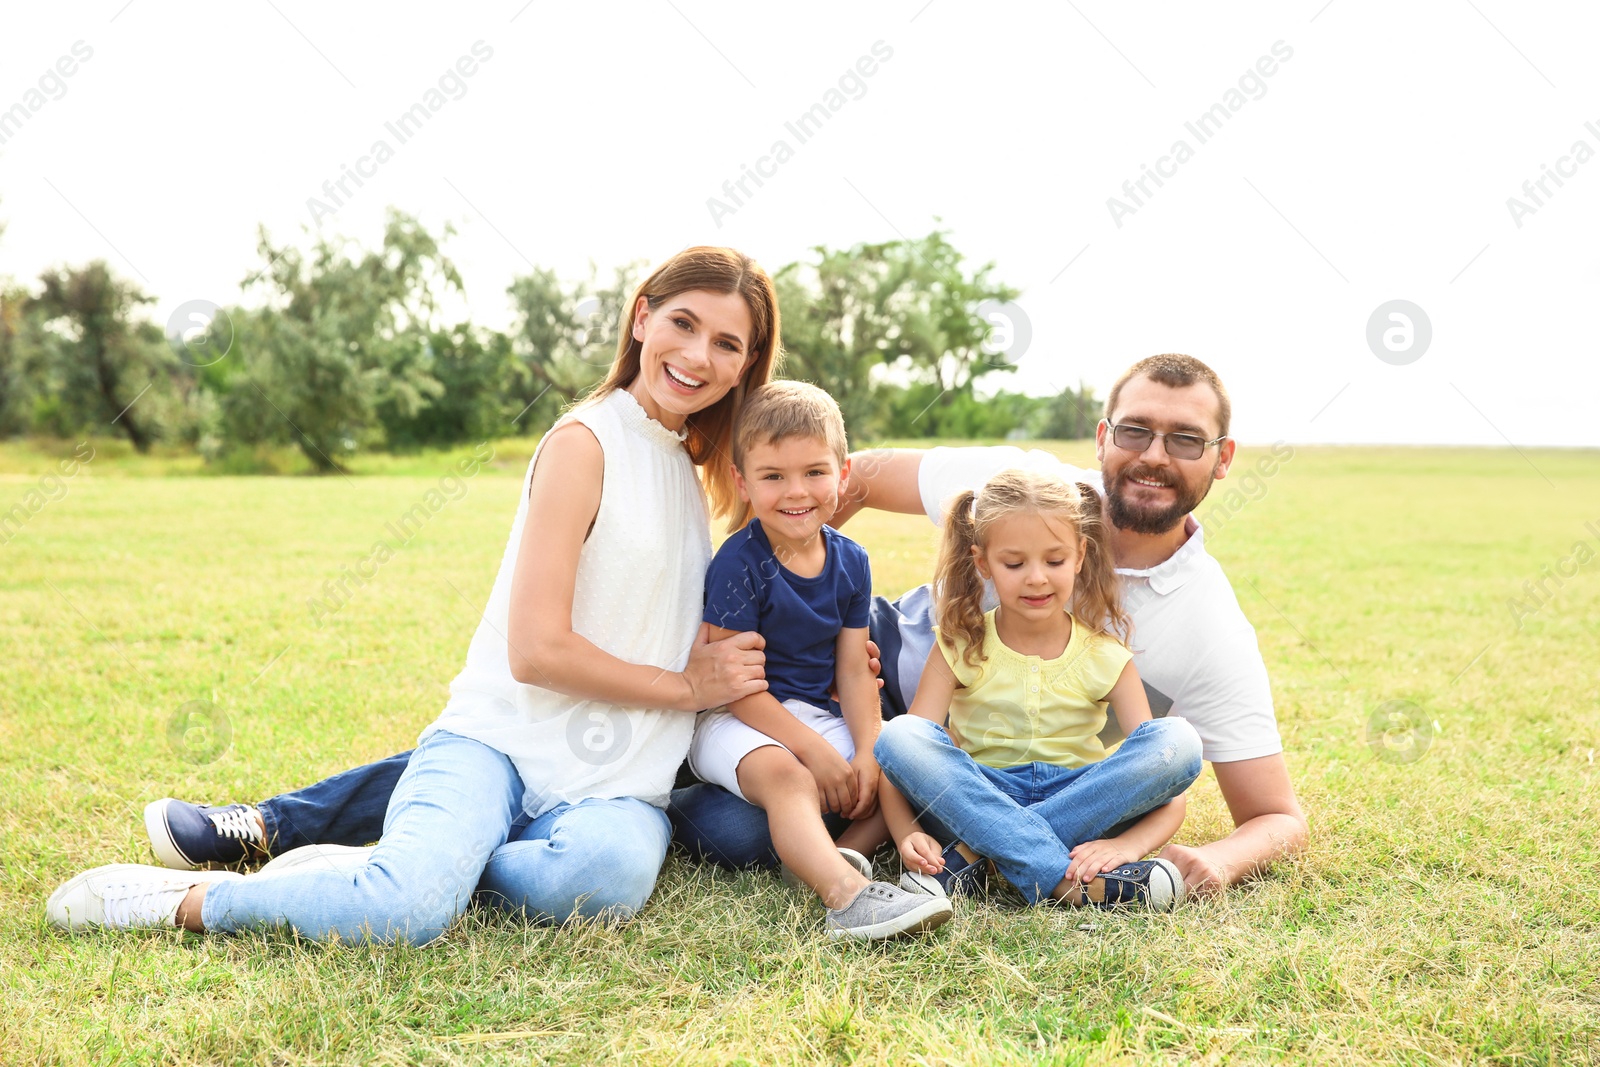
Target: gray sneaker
x=881 y=911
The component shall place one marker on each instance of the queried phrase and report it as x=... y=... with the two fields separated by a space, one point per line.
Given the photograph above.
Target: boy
x=806 y=589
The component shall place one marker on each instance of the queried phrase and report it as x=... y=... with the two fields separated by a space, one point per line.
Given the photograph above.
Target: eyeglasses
x=1178 y=445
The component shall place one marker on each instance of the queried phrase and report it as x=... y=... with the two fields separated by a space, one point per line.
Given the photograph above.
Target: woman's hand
x=720 y=672
x=865 y=769
x=922 y=853
x=1094 y=858
x=836 y=780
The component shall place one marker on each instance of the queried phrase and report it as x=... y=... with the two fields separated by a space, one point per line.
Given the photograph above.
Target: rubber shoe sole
x=162 y=842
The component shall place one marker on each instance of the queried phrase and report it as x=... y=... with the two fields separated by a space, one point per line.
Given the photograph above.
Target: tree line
x=335 y=348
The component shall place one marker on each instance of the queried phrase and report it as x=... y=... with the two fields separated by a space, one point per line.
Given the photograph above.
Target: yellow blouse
x=1014 y=709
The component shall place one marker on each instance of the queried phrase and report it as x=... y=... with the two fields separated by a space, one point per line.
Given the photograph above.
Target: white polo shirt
x=1192 y=645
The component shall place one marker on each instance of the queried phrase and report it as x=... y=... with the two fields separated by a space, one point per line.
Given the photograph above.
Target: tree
x=842 y=320
x=565 y=338
x=16 y=394
x=482 y=382
x=342 y=336
x=96 y=361
x=1071 y=414
x=944 y=332
x=886 y=326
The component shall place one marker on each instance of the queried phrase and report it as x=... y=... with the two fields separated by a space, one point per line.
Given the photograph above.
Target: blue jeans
x=348 y=809
x=708 y=821
x=1027 y=819
x=454 y=830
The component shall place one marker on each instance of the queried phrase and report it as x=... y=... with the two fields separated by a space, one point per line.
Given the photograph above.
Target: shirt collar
x=1172 y=572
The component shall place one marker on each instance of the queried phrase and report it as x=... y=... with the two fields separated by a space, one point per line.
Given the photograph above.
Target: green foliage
x=480 y=380
x=342 y=339
x=95 y=363
x=337 y=349
x=16 y=393
x=894 y=332
x=565 y=336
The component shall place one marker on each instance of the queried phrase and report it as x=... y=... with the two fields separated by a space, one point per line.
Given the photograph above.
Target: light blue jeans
x=1027 y=819
x=453 y=830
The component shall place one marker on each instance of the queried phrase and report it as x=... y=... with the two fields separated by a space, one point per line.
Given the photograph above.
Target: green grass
x=1446 y=911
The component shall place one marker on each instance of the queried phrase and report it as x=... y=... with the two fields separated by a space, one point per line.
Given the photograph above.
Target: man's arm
x=883 y=478
x=1268 y=826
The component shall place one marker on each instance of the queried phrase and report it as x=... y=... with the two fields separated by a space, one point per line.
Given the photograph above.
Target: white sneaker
x=854 y=858
x=336 y=859
x=125 y=896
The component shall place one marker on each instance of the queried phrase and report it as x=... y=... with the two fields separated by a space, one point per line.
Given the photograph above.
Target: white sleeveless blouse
x=639 y=592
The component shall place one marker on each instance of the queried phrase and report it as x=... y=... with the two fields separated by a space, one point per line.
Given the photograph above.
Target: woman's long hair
x=958 y=586
x=710 y=441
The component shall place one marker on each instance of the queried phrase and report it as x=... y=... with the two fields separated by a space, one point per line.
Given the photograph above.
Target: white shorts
x=721 y=741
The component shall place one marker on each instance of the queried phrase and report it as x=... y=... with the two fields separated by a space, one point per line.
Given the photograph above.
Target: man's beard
x=1127 y=516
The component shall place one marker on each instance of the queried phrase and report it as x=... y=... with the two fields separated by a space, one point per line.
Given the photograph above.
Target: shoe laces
x=142 y=903
x=238 y=822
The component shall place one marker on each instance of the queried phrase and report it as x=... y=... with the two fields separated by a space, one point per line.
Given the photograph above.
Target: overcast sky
x=1357 y=153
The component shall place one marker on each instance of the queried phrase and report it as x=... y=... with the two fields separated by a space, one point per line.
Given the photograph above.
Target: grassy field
x=1447 y=910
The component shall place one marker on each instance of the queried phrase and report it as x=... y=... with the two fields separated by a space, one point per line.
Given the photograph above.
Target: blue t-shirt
x=748 y=589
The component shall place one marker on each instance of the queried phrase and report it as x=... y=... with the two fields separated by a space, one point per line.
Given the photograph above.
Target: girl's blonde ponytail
x=1096 y=596
x=957 y=585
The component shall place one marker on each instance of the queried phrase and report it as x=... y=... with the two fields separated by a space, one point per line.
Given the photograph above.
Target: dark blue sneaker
x=959 y=878
x=188 y=836
x=1154 y=884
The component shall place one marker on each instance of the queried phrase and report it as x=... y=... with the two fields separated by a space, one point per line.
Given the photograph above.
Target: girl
x=1020 y=775
x=542 y=783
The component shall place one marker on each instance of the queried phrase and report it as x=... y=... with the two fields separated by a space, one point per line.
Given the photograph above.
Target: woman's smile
x=682 y=380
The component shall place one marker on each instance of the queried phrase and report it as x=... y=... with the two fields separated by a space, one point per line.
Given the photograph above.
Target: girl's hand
x=865 y=769
x=922 y=853
x=720 y=672
x=1097 y=857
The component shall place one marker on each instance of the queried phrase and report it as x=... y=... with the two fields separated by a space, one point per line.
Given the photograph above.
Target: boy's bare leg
x=867 y=835
x=773 y=780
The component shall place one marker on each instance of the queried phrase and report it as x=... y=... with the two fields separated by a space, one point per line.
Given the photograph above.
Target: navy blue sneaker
x=1154 y=884
x=188 y=836
x=959 y=878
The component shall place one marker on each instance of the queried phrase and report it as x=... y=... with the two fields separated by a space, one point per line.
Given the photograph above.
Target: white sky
x=1377 y=166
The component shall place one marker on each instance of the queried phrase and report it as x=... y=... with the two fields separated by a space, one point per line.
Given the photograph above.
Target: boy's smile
x=793 y=487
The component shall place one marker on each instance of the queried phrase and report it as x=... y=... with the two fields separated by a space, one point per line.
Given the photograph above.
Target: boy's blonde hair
x=783 y=409
x=958 y=586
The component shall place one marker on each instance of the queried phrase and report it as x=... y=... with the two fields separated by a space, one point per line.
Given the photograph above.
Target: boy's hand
x=1097 y=857
x=865 y=769
x=922 y=853
x=836 y=781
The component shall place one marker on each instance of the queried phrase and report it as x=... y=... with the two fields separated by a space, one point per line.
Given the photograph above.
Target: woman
x=577 y=701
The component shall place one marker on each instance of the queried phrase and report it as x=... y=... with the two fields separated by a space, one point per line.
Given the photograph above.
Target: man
x=1163 y=442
